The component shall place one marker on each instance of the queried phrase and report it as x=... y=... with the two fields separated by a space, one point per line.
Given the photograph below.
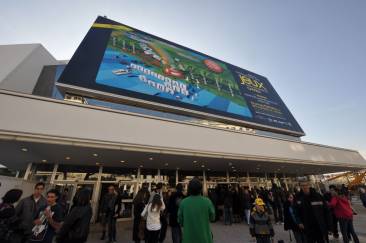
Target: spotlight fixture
x=95 y=155
x=24 y=149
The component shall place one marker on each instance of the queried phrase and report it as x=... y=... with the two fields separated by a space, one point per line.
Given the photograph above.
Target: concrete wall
x=21 y=66
x=41 y=116
x=8 y=183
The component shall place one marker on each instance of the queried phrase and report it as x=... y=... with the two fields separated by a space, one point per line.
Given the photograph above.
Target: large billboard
x=116 y=61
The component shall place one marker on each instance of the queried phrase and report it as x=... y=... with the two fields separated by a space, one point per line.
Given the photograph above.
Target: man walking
x=49 y=219
x=111 y=205
x=27 y=210
x=194 y=215
x=173 y=206
x=314 y=214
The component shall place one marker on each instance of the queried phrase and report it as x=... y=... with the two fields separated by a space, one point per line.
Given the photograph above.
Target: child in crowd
x=260 y=223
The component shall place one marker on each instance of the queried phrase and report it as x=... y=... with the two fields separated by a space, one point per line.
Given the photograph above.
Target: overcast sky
x=312 y=51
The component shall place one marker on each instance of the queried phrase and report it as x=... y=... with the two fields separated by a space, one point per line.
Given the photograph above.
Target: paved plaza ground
x=236 y=233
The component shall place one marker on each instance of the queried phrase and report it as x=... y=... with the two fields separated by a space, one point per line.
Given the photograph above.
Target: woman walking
x=292 y=221
x=152 y=214
x=75 y=228
x=344 y=213
x=10 y=231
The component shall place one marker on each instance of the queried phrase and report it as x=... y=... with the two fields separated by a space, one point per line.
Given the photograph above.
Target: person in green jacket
x=194 y=215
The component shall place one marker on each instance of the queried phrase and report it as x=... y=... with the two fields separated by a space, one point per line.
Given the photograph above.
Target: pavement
x=235 y=233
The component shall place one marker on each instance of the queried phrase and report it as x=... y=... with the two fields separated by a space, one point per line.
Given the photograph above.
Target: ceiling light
x=95 y=155
x=151 y=158
x=194 y=161
x=208 y=169
x=44 y=161
x=141 y=166
x=166 y=164
x=232 y=167
x=234 y=170
x=122 y=161
x=67 y=158
x=97 y=164
x=203 y=166
x=24 y=149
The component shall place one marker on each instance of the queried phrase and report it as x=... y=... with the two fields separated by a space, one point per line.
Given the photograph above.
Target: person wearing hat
x=260 y=225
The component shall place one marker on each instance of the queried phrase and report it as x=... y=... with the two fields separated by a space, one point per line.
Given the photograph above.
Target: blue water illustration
x=129 y=79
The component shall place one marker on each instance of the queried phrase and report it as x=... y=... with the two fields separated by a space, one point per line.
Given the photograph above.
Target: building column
x=159 y=179
x=96 y=193
x=248 y=181
x=176 y=177
x=204 y=183
x=54 y=172
x=138 y=180
x=28 y=172
x=285 y=181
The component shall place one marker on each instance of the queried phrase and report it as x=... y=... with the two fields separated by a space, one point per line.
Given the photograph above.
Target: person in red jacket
x=344 y=213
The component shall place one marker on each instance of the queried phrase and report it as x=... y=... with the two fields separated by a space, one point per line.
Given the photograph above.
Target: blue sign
x=117 y=59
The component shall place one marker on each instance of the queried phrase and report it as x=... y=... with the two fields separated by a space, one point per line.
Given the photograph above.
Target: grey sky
x=313 y=52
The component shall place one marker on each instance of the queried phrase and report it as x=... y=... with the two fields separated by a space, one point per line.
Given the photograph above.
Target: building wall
x=41 y=116
x=21 y=66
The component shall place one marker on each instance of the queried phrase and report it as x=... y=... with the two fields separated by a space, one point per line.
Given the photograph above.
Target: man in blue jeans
x=173 y=207
x=228 y=207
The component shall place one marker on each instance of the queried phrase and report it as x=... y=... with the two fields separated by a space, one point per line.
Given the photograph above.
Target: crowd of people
x=41 y=219
x=310 y=216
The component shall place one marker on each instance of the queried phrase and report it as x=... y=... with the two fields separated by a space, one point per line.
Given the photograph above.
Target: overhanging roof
x=27 y=118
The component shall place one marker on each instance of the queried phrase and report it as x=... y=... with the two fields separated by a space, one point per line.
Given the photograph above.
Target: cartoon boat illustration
x=120 y=71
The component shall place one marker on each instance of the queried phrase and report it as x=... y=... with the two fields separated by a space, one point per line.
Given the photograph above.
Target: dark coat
x=76 y=225
x=27 y=210
x=314 y=213
x=291 y=217
x=363 y=199
x=173 y=206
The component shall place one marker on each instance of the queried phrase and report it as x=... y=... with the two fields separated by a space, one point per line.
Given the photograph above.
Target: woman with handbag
x=152 y=214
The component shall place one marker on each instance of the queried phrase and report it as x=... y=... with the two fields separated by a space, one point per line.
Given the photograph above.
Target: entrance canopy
x=42 y=130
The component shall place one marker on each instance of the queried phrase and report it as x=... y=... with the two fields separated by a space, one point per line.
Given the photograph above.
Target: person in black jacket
x=314 y=214
x=10 y=232
x=139 y=202
x=228 y=206
x=363 y=196
x=75 y=228
x=173 y=207
x=292 y=220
